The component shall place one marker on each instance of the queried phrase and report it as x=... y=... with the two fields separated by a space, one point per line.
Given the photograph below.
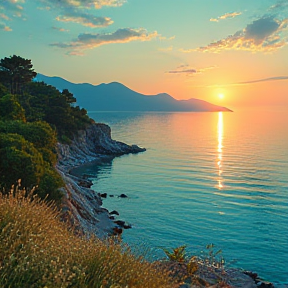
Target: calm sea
x=218 y=178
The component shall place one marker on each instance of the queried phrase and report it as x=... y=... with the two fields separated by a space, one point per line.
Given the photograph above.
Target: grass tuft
x=37 y=250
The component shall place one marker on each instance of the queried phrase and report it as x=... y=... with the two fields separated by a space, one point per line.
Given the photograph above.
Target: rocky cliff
x=82 y=205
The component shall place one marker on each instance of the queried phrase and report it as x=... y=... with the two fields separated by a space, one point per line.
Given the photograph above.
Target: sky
x=231 y=53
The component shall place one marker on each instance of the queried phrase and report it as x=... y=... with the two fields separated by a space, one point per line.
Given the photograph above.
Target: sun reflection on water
x=220 y=149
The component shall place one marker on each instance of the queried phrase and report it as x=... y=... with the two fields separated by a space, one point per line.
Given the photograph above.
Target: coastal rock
x=123 y=196
x=85 y=183
x=120 y=223
x=93 y=142
x=82 y=205
x=265 y=285
x=117 y=231
x=114 y=212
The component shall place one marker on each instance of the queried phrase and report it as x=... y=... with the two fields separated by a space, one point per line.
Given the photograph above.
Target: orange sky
x=194 y=50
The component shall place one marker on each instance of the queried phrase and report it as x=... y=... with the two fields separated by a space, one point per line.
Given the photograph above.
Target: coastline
x=82 y=206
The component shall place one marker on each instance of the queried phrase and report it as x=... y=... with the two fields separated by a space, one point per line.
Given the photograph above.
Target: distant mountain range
x=115 y=96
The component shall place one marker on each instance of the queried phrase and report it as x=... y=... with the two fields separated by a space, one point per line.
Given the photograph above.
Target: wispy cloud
x=4 y=27
x=188 y=70
x=80 y=12
x=85 y=19
x=3 y=16
x=280 y=5
x=13 y=8
x=59 y=29
x=77 y=11
x=89 y=41
x=225 y=16
x=184 y=71
x=262 y=80
x=265 y=34
x=248 y=82
x=87 y=4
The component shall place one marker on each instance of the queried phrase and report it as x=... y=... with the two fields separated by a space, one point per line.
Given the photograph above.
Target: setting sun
x=221 y=95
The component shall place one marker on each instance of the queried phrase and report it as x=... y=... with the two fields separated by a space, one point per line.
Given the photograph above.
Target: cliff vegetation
x=33 y=117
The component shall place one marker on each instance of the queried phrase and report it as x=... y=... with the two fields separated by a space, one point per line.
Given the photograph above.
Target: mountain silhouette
x=115 y=96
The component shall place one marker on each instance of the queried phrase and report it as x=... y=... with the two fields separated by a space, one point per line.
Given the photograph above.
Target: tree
x=15 y=71
x=3 y=90
x=19 y=160
x=55 y=107
x=40 y=134
x=10 y=109
x=68 y=96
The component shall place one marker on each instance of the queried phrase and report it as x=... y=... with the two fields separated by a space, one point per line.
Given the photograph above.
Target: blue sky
x=187 y=48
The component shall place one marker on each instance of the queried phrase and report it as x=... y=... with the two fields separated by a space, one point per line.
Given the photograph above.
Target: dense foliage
x=33 y=116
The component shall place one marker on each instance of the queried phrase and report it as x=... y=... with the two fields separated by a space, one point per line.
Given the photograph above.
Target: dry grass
x=37 y=250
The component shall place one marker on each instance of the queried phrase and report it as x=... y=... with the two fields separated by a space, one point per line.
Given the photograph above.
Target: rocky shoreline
x=82 y=206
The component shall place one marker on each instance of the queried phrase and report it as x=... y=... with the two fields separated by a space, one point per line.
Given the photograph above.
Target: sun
x=221 y=95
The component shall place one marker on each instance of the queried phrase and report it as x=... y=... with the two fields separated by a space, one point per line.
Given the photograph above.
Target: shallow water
x=205 y=178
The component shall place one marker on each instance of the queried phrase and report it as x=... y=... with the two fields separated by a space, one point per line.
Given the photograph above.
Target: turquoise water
x=205 y=178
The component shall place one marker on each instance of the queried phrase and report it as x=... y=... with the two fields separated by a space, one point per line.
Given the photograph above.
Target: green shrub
x=19 y=160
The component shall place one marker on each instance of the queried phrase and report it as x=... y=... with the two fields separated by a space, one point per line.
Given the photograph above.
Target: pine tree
x=15 y=71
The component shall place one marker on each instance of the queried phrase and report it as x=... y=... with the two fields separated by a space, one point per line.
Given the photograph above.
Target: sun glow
x=221 y=95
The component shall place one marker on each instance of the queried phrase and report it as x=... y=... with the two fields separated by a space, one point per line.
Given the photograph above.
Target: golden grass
x=37 y=250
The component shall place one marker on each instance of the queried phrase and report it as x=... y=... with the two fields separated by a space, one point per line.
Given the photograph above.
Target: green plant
x=213 y=258
x=177 y=254
x=37 y=250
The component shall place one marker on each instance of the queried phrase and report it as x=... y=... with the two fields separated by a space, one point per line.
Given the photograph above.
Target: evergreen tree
x=15 y=71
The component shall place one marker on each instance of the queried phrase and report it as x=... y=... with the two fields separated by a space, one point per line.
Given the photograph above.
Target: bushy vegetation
x=33 y=116
x=37 y=250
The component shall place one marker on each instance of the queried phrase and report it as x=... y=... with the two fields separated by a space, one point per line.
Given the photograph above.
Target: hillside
x=115 y=96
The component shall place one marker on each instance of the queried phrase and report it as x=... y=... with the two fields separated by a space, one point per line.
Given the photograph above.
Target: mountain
x=117 y=97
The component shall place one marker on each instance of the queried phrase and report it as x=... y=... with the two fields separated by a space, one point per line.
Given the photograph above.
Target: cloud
x=277 y=78
x=188 y=71
x=265 y=34
x=76 y=11
x=12 y=7
x=79 y=11
x=3 y=16
x=87 y=4
x=184 y=71
x=89 y=41
x=280 y=5
x=4 y=27
x=262 y=80
x=225 y=16
x=59 y=29
x=85 y=19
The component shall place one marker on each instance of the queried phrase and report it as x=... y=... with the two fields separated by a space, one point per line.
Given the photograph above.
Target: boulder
x=114 y=212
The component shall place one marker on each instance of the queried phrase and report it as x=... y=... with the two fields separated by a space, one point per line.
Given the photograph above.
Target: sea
x=216 y=178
